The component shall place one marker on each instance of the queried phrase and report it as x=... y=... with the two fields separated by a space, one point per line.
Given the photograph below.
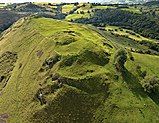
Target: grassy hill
x=67 y=8
x=2 y=5
x=72 y=66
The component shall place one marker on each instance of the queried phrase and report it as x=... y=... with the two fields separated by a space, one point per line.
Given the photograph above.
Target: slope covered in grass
x=37 y=43
x=67 y=8
x=72 y=66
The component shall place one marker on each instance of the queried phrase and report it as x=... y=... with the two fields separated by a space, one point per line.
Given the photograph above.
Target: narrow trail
x=100 y=32
x=3 y=118
x=22 y=69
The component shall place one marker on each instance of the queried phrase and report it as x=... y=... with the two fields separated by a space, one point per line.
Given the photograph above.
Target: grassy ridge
x=43 y=35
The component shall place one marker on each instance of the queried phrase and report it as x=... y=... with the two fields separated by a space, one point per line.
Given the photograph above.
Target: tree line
x=140 y=23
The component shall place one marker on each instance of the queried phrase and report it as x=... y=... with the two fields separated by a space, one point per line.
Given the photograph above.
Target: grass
x=77 y=16
x=2 y=5
x=147 y=62
x=84 y=8
x=125 y=32
x=133 y=10
x=81 y=58
x=124 y=42
x=103 y=7
x=87 y=9
x=42 y=35
x=67 y=8
x=46 y=4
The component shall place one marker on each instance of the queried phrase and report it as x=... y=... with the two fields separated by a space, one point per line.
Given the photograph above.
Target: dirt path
x=2 y=121
x=3 y=118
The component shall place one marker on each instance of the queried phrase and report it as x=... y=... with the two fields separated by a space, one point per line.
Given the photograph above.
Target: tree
x=81 y=12
x=49 y=4
x=151 y=84
x=140 y=72
x=130 y=56
x=120 y=59
x=76 y=4
x=84 y=5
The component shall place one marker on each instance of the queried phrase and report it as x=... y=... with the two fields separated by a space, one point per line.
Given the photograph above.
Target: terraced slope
x=72 y=67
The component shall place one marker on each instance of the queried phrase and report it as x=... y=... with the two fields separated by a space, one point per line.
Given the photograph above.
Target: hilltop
x=10 y=13
x=72 y=65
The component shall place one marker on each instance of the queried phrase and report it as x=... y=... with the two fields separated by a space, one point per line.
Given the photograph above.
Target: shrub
x=151 y=84
x=81 y=12
x=120 y=59
x=151 y=45
x=131 y=56
x=116 y=77
x=2 y=78
x=143 y=74
x=48 y=63
x=76 y=4
x=140 y=72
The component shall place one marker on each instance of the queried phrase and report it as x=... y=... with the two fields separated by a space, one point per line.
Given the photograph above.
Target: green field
x=84 y=8
x=2 y=5
x=132 y=9
x=46 y=4
x=126 y=32
x=148 y=63
x=77 y=16
x=103 y=7
x=67 y=8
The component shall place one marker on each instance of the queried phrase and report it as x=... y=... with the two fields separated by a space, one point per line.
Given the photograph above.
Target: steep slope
x=7 y=18
x=71 y=65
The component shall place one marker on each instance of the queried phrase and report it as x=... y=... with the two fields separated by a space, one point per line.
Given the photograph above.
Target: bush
x=151 y=45
x=120 y=59
x=143 y=74
x=140 y=72
x=130 y=56
x=48 y=63
x=151 y=84
x=81 y=12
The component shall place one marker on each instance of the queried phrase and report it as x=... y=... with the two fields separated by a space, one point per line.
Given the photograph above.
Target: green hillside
x=72 y=65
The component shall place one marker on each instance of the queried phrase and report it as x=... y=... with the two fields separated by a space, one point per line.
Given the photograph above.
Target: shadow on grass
x=133 y=84
x=136 y=87
x=155 y=98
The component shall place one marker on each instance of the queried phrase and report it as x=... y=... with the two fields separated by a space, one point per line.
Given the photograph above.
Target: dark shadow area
x=133 y=83
x=136 y=87
x=155 y=98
